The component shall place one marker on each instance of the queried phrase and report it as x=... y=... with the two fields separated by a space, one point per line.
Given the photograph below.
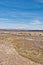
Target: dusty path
x=9 y=56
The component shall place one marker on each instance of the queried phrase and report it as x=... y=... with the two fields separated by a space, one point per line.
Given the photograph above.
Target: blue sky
x=21 y=14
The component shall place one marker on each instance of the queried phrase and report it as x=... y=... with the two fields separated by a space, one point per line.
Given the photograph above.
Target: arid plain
x=21 y=47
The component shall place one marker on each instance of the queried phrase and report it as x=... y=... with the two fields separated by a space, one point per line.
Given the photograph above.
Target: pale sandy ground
x=9 y=56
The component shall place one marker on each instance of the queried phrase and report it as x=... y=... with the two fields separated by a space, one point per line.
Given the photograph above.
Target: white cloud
x=35 y=22
x=33 y=25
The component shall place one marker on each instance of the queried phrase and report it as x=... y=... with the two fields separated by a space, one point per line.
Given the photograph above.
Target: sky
x=21 y=14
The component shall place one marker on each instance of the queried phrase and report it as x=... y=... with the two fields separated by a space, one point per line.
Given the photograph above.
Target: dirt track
x=9 y=56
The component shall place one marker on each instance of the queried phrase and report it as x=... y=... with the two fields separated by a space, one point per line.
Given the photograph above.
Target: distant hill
x=18 y=30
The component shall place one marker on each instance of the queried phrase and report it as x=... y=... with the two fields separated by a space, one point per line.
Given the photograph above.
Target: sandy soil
x=9 y=56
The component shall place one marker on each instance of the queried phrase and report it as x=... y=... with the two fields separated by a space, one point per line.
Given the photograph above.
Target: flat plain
x=21 y=47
